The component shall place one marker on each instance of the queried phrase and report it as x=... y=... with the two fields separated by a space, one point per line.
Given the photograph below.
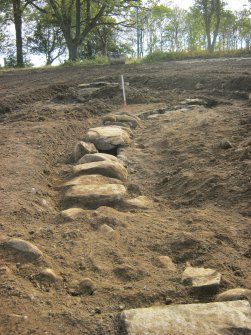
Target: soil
x=192 y=163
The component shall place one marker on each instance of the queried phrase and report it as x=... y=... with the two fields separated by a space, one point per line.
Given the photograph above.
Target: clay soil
x=194 y=166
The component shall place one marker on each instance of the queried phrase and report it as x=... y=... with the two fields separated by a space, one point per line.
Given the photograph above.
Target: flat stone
x=89 y=158
x=132 y=121
x=216 y=318
x=108 y=138
x=96 y=195
x=83 y=148
x=105 y=168
x=166 y=262
x=234 y=294
x=72 y=213
x=91 y=179
x=140 y=202
x=24 y=247
x=201 y=277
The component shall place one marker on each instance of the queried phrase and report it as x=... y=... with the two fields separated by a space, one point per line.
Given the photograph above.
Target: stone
x=201 y=278
x=166 y=262
x=83 y=148
x=132 y=121
x=105 y=168
x=119 y=124
x=108 y=138
x=89 y=158
x=72 y=214
x=91 y=179
x=84 y=287
x=123 y=159
x=4 y=270
x=140 y=202
x=96 y=195
x=199 y=86
x=225 y=144
x=107 y=230
x=195 y=101
x=48 y=275
x=217 y=318
x=24 y=247
x=234 y=294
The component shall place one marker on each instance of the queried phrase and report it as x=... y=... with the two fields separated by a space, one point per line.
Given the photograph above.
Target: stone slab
x=218 y=318
x=108 y=138
x=104 y=168
x=96 y=194
x=89 y=158
x=91 y=179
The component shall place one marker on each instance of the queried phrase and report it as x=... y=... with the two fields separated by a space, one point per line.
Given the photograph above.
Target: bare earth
x=199 y=187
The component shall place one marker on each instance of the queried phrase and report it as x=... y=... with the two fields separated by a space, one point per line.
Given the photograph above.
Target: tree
x=244 y=24
x=212 y=13
x=77 y=18
x=47 y=38
x=228 y=32
x=196 y=39
x=176 y=29
x=13 y=11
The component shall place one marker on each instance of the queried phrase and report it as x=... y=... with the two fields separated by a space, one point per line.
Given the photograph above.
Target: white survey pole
x=123 y=88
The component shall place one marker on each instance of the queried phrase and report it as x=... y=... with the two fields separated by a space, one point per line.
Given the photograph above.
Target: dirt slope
x=193 y=163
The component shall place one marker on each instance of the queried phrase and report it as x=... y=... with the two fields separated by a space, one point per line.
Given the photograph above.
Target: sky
x=232 y=4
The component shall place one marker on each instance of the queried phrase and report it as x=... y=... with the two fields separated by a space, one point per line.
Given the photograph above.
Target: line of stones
x=100 y=173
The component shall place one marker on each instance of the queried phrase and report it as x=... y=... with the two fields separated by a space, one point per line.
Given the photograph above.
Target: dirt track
x=200 y=191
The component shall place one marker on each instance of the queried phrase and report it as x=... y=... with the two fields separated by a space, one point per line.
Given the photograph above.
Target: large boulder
x=218 y=318
x=108 y=138
x=105 y=168
x=97 y=194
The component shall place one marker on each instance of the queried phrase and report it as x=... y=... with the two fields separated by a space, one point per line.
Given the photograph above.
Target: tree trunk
x=73 y=50
x=17 y=11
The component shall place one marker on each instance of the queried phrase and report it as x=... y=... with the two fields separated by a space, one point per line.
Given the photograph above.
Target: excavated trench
x=100 y=260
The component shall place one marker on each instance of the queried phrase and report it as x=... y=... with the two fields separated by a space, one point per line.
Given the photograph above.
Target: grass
x=156 y=56
x=163 y=56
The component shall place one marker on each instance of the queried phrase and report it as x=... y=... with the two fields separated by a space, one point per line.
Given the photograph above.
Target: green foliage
x=160 y=56
x=11 y=61
x=47 y=38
